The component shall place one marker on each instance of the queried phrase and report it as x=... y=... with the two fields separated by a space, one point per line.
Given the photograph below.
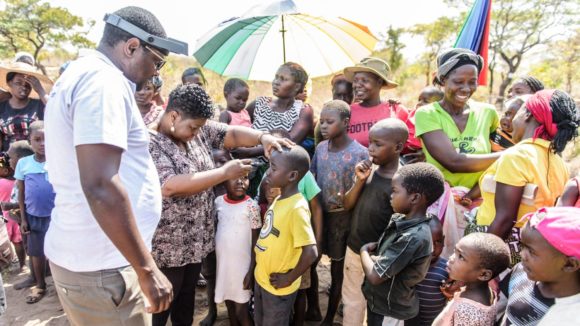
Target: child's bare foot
x=28 y=282
x=209 y=319
x=36 y=294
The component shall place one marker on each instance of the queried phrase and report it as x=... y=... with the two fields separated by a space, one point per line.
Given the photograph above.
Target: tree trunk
x=42 y=68
x=428 y=74
x=502 y=89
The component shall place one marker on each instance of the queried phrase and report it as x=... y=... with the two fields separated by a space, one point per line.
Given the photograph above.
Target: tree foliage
x=558 y=68
x=392 y=48
x=519 y=26
x=34 y=26
x=437 y=35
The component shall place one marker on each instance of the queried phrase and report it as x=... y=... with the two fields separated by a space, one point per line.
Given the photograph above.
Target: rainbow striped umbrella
x=474 y=34
x=253 y=46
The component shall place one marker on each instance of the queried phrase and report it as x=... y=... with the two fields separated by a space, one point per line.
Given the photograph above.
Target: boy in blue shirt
x=36 y=200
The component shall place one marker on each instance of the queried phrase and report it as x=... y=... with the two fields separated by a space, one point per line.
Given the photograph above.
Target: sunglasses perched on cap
x=159 y=64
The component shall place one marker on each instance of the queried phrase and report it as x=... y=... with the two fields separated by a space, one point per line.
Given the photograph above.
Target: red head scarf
x=539 y=105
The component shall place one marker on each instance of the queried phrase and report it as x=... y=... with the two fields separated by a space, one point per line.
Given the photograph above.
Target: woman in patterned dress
x=181 y=151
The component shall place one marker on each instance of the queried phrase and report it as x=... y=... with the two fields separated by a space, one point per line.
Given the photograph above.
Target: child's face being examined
x=331 y=124
x=236 y=100
x=401 y=199
x=220 y=157
x=508 y=116
x=37 y=141
x=236 y=188
x=382 y=147
x=465 y=263
x=540 y=260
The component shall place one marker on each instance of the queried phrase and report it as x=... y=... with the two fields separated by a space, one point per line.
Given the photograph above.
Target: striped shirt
x=431 y=300
x=526 y=304
x=266 y=119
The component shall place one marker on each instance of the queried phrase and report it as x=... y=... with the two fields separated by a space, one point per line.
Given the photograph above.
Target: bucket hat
x=372 y=65
x=25 y=69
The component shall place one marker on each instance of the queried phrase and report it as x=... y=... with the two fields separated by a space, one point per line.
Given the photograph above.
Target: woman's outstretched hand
x=271 y=143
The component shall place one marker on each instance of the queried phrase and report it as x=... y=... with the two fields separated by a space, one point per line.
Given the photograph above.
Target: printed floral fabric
x=186 y=231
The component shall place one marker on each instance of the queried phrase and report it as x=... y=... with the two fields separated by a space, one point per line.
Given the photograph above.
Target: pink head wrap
x=560 y=226
x=539 y=105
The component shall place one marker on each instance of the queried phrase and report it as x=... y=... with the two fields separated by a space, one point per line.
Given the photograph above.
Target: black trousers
x=183 y=279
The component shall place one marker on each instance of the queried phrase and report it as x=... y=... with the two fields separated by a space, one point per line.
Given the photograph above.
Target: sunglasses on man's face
x=159 y=64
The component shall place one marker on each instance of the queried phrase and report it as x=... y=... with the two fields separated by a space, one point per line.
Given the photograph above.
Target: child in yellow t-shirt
x=286 y=247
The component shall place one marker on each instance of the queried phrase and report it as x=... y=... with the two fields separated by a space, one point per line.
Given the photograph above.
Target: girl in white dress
x=238 y=227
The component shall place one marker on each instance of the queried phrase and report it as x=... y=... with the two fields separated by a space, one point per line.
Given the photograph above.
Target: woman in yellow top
x=541 y=129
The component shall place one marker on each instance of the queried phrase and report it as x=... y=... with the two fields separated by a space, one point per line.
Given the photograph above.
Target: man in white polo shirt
x=108 y=197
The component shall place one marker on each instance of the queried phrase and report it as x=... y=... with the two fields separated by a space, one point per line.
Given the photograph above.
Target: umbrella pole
x=283 y=31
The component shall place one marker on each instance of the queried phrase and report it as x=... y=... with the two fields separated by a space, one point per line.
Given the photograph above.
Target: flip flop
x=201 y=282
x=35 y=295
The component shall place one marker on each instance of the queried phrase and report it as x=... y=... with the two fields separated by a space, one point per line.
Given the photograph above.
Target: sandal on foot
x=201 y=282
x=35 y=295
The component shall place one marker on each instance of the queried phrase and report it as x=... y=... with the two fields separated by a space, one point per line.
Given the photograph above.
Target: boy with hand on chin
x=286 y=247
x=370 y=197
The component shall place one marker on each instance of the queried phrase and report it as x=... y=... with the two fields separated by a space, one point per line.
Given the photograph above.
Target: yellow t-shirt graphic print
x=285 y=231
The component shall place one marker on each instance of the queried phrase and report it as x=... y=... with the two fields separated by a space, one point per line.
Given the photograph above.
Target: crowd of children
x=359 y=199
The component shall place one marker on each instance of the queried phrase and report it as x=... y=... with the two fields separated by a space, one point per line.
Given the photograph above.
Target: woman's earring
x=172 y=128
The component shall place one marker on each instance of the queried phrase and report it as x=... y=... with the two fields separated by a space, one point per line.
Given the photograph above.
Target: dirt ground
x=49 y=312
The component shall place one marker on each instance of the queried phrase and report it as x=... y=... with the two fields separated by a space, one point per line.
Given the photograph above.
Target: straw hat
x=25 y=69
x=373 y=65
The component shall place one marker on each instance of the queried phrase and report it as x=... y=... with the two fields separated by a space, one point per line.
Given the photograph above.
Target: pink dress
x=241 y=118
x=6 y=186
x=466 y=312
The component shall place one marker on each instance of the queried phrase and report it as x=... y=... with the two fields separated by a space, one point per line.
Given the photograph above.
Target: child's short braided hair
x=493 y=252
x=339 y=106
